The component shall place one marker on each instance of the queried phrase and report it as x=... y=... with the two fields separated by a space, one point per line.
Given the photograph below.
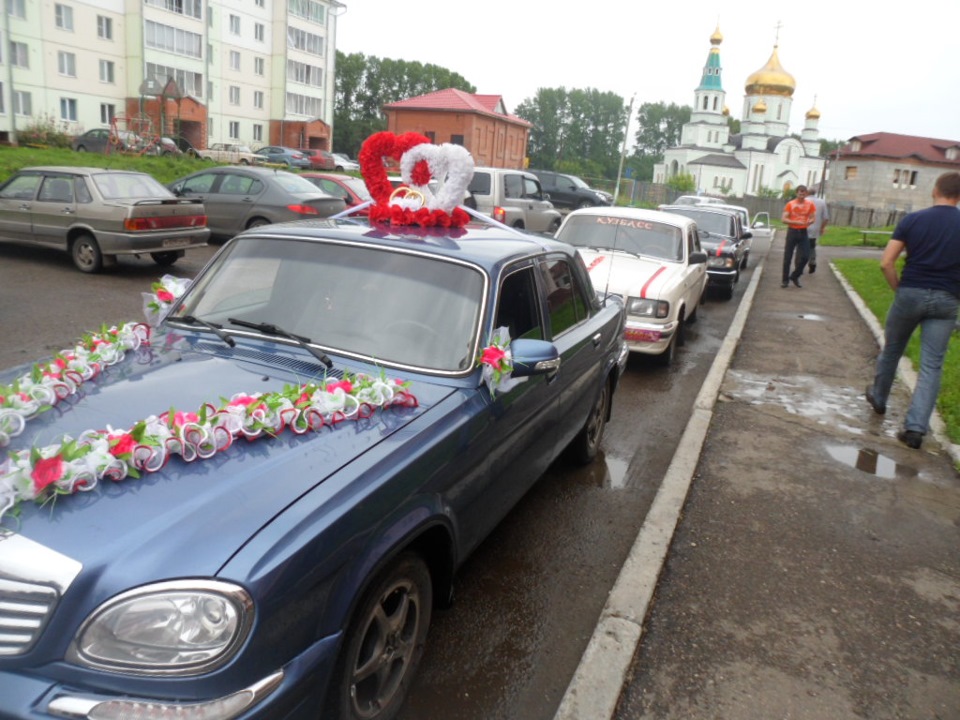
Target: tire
x=165 y=259
x=518 y=225
x=669 y=356
x=86 y=254
x=746 y=260
x=244 y=161
x=554 y=226
x=692 y=318
x=338 y=169
x=81 y=148
x=384 y=643
x=583 y=204
x=584 y=447
x=726 y=292
x=257 y=222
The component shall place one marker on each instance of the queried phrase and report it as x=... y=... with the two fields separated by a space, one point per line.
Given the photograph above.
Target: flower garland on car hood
x=77 y=465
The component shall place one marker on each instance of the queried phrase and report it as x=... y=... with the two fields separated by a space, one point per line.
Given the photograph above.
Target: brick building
x=478 y=122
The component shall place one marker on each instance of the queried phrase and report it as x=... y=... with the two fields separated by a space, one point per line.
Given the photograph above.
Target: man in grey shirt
x=817 y=229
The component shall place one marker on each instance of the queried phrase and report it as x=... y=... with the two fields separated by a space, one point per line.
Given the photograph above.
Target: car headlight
x=721 y=262
x=181 y=627
x=648 y=308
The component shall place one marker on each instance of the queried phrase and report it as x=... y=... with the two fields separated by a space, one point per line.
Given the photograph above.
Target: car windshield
x=632 y=235
x=358 y=186
x=129 y=186
x=577 y=182
x=713 y=223
x=395 y=308
x=243 y=149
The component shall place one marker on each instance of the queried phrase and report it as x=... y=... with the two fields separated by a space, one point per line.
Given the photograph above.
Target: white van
x=515 y=198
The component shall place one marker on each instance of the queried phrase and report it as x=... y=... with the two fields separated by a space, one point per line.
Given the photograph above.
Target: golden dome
x=726 y=110
x=760 y=107
x=771 y=79
x=813 y=113
x=716 y=38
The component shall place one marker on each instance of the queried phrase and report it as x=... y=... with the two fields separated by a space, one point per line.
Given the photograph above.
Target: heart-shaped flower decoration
x=452 y=170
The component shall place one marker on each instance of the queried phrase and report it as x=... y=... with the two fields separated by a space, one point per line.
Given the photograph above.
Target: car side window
x=480 y=184
x=56 y=189
x=531 y=188
x=566 y=302
x=199 y=184
x=23 y=187
x=513 y=186
x=518 y=307
x=83 y=192
x=238 y=185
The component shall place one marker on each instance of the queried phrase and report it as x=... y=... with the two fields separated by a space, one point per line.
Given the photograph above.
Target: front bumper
x=722 y=277
x=649 y=338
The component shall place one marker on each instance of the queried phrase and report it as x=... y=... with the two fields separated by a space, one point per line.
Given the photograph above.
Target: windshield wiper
x=271 y=329
x=217 y=329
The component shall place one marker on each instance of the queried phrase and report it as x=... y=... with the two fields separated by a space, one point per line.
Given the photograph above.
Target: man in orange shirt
x=798 y=214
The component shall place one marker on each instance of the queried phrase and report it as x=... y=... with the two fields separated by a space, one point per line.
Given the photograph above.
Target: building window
x=68 y=109
x=304 y=105
x=259 y=33
x=191 y=8
x=106 y=71
x=108 y=111
x=234 y=130
x=456 y=139
x=304 y=73
x=17 y=8
x=307 y=9
x=64 y=16
x=3 y=107
x=302 y=40
x=258 y=98
x=258 y=133
x=210 y=92
x=258 y=66
x=171 y=39
x=913 y=179
x=260 y=3
x=431 y=135
x=19 y=56
x=850 y=172
x=22 y=103
x=188 y=82
x=234 y=60
x=234 y=94
x=234 y=24
x=104 y=27
x=952 y=153
x=67 y=64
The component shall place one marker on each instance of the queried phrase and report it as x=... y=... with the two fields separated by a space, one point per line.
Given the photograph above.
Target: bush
x=682 y=182
x=44 y=132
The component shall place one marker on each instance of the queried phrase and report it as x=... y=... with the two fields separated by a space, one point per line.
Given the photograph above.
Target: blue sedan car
x=284 y=156
x=326 y=422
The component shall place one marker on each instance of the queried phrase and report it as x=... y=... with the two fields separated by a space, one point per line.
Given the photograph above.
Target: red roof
x=890 y=145
x=459 y=101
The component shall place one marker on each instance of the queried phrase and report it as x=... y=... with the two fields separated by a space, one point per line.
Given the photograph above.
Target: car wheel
x=384 y=643
x=586 y=444
x=726 y=292
x=668 y=356
x=257 y=222
x=244 y=161
x=81 y=148
x=518 y=225
x=86 y=254
x=554 y=226
x=165 y=259
x=746 y=258
x=584 y=204
x=692 y=318
x=338 y=168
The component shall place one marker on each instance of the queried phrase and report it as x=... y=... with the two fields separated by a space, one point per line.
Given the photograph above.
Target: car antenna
x=606 y=289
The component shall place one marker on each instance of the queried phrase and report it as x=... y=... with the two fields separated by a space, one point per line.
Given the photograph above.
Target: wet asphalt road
x=528 y=599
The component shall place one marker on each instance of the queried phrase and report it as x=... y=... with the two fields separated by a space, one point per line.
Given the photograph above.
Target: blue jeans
x=935 y=311
x=796 y=240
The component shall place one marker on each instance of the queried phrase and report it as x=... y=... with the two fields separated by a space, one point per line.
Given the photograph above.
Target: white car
x=653 y=260
x=345 y=163
x=230 y=153
x=696 y=200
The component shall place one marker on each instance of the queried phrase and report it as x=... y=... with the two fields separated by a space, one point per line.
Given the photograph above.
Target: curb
x=594 y=690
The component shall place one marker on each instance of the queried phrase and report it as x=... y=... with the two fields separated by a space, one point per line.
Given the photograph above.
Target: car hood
x=718 y=245
x=197 y=513
x=630 y=275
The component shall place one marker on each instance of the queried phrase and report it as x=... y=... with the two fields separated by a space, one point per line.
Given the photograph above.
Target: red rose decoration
x=492 y=356
x=46 y=472
x=122 y=445
x=165 y=296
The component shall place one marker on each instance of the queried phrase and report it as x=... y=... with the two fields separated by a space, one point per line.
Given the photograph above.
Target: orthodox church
x=762 y=156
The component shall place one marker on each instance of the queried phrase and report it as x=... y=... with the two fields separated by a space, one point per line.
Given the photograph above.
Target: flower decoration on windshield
x=496 y=363
x=163 y=294
x=448 y=168
x=78 y=465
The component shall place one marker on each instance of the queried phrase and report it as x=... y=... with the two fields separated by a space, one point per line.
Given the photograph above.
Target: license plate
x=176 y=242
x=632 y=335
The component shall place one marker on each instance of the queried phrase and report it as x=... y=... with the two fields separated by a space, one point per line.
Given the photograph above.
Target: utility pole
x=623 y=150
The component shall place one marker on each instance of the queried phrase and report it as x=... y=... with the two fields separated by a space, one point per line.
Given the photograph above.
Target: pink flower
x=165 y=296
x=345 y=385
x=122 y=445
x=47 y=471
x=492 y=356
x=180 y=418
x=246 y=401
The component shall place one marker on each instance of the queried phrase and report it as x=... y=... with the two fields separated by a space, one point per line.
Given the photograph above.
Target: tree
x=682 y=182
x=659 y=128
x=366 y=83
x=575 y=131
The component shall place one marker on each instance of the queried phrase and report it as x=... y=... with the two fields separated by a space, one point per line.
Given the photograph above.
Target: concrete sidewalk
x=815 y=572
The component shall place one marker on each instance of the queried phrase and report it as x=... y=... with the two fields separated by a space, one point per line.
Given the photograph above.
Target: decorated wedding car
x=250 y=504
x=650 y=259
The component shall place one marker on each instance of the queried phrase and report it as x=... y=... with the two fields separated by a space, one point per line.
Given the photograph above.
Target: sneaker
x=784 y=284
x=796 y=281
x=877 y=407
x=910 y=438
x=813 y=269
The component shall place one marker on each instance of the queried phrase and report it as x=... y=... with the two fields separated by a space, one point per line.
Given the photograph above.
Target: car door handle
x=24 y=206
x=69 y=211
x=597 y=339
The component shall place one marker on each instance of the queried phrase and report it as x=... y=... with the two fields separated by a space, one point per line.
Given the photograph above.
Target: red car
x=352 y=189
x=320 y=159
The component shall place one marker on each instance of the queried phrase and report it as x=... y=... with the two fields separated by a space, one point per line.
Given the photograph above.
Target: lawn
x=869 y=283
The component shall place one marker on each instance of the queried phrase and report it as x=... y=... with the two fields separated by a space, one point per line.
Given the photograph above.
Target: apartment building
x=251 y=71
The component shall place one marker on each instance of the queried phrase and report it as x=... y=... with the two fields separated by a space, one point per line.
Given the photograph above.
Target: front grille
x=33 y=578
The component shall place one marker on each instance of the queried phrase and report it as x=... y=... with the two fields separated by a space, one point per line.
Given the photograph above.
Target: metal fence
x=648 y=194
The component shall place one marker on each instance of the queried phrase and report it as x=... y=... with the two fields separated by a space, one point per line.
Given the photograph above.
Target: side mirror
x=535 y=357
x=747 y=235
x=698 y=257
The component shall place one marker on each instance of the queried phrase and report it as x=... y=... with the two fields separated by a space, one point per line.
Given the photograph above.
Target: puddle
x=616 y=472
x=812 y=316
x=871 y=462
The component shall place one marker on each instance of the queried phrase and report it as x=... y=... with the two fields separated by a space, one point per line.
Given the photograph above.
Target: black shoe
x=877 y=407
x=796 y=281
x=813 y=269
x=784 y=284
x=910 y=438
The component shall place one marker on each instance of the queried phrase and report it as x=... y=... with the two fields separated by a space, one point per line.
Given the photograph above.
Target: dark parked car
x=319 y=159
x=724 y=238
x=96 y=214
x=185 y=146
x=240 y=197
x=295 y=575
x=284 y=156
x=569 y=191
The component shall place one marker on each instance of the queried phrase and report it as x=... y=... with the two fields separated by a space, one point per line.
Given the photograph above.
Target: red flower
x=46 y=472
x=345 y=384
x=181 y=418
x=165 y=296
x=492 y=356
x=122 y=445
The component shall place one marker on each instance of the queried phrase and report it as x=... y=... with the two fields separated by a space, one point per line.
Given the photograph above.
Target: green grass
x=854 y=237
x=869 y=283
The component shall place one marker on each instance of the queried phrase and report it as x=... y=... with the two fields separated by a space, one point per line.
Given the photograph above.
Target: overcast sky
x=870 y=67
